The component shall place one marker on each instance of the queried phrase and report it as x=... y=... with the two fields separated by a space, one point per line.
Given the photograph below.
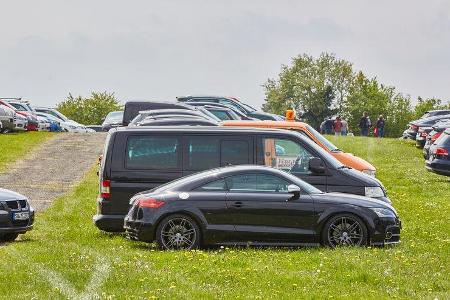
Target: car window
x=285 y=155
x=222 y=115
x=234 y=152
x=232 y=103
x=214 y=186
x=145 y=152
x=203 y=153
x=18 y=107
x=251 y=183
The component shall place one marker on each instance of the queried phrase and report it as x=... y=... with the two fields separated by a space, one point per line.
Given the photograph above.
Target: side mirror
x=316 y=165
x=295 y=190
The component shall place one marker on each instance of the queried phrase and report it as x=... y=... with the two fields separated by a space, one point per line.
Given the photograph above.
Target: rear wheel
x=9 y=237
x=178 y=232
x=344 y=230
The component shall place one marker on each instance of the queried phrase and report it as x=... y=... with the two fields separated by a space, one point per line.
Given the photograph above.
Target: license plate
x=21 y=216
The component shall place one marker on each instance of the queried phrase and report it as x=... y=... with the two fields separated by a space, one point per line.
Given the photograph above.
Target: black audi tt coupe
x=256 y=205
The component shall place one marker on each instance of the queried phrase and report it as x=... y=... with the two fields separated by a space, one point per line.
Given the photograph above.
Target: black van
x=132 y=108
x=138 y=158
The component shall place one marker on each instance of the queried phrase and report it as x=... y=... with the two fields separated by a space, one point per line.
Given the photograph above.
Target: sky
x=157 y=50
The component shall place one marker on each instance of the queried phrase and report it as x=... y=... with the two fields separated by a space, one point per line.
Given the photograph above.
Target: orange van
x=346 y=158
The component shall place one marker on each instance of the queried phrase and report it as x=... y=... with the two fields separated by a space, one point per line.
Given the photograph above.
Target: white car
x=20 y=122
x=66 y=124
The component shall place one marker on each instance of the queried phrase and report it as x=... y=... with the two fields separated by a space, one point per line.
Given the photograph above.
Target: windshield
x=114 y=117
x=322 y=139
x=248 y=107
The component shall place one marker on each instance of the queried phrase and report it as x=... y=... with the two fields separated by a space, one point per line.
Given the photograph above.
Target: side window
x=220 y=114
x=232 y=103
x=254 y=183
x=285 y=154
x=152 y=152
x=203 y=153
x=234 y=153
x=214 y=186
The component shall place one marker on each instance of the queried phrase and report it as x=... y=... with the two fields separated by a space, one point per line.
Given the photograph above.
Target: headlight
x=373 y=192
x=369 y=172
x=383 y=212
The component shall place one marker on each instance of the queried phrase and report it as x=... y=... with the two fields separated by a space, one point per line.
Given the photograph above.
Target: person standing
x=337 y=126
x=344 y=127
x=364 y=124
x=380 y=126
x=329 y=126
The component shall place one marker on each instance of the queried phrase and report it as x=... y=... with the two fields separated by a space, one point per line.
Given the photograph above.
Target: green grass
x=14 y=146
x=65 y=252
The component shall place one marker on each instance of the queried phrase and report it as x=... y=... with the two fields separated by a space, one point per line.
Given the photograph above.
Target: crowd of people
x=339 y=126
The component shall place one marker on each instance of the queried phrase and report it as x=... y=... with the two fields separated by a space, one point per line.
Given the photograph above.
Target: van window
x=203 y=153
x=234 y=153
x=145 y=152
x=285 y=154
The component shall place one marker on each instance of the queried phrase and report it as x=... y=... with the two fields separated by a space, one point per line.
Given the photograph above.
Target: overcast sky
x=162 y=49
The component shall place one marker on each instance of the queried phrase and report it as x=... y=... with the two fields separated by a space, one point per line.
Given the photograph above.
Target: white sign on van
x=285 y=162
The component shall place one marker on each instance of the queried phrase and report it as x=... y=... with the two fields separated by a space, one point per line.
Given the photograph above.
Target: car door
x=261 y=210
x=288 y=155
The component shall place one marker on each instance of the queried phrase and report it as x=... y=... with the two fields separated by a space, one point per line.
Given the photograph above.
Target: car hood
x=341 y=198
x=353 y=161
x=10 y=195
x=364 y=179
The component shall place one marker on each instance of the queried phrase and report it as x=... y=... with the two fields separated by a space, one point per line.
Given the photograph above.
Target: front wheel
x=178 y=232
x=344 y=230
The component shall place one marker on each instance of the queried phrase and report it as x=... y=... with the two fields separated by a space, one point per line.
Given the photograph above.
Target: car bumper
x=7 y=225
x=138 y=229
x=438 y=166
x=387 y=232
x=110 y=223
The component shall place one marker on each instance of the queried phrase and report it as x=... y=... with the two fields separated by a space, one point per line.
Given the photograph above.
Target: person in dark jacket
x=365 y=124
x=380 y=126
x=329 y=126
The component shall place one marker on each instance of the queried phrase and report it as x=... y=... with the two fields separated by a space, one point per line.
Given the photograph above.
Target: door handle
x=237 y=204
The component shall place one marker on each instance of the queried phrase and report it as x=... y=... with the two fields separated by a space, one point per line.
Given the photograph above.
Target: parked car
x=230 y=101
x=413 y=126
x=200 y=113
x=255 y=205
x=25 y=109
x=438 y=112
x=347 y=159
x=55 y=123
x=178 y=122
x=20 y=118
x=66 y=124
x=439 y=159
x=112 y=119
x=96 y=128
x=421 y=136
x=438 y=129
x=209 y=105
x=132 y=108
x=6 y=119
x=141 y=158
x=43 y=123
x=16 y=215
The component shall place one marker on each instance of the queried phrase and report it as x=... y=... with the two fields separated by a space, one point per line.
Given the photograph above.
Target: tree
x=90 y=110
x=424 y=105
x=316 y=88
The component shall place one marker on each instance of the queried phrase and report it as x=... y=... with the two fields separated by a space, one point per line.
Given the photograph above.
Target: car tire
x=9 y=237
x=344 y=230
x=178 y=232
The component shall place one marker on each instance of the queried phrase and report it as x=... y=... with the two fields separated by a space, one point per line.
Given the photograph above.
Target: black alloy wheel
x=178 y=232
x=344 y=230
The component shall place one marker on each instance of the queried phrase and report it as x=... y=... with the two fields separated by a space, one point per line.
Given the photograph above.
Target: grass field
x=13 y=146
x=65 y=256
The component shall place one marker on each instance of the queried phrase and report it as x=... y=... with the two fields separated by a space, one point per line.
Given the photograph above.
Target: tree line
x=317 y=88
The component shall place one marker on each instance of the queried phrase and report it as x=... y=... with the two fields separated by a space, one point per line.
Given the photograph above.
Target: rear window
x=444 y=139
x=144 y=152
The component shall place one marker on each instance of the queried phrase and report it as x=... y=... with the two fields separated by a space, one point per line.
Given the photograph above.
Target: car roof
x=206 y=129
x=265 y=123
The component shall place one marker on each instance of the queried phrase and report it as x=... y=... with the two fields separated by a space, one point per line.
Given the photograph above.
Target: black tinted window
x=234 y=153
x=203 y=153
x=249 y=183
x=220 y=114
x=218 y=185
x=152 y=152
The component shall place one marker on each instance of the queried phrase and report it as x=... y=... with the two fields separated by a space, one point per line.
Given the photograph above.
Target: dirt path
x=53 y=168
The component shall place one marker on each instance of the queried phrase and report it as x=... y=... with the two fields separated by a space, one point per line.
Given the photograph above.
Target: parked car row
x=189 y=175
x=427 y=132
x=18 y=115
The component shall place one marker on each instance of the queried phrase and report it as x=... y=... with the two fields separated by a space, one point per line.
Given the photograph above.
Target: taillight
x=414 y=127
x=441 y=151
x=423 y=134
x=436 y=135
x=104 y=188
x=151 y=203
